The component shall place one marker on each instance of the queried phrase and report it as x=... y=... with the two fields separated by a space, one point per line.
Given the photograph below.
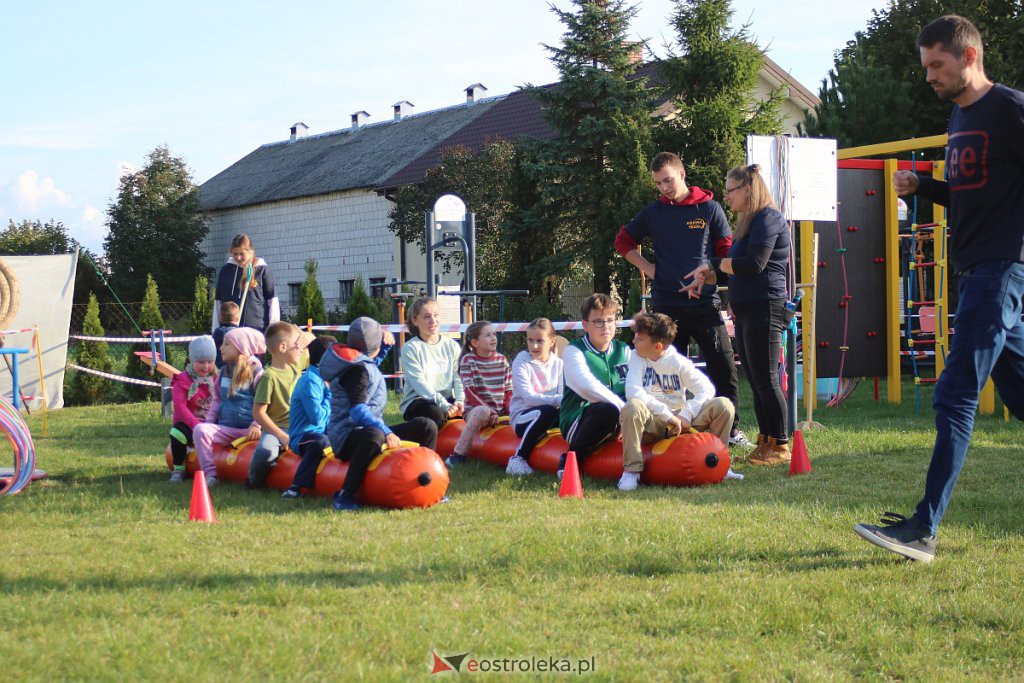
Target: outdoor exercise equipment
x=406 y=477
x=692 y=459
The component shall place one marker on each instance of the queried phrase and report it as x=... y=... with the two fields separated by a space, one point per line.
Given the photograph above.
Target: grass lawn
x=102 y=577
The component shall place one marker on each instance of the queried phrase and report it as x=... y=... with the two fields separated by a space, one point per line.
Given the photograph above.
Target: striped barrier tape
x=391 y=327
x=119 y=378
x=6 y=332
x=130 y=340
x=450 y=328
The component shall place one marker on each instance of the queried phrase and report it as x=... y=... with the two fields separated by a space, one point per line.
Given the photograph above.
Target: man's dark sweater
x=985 y=190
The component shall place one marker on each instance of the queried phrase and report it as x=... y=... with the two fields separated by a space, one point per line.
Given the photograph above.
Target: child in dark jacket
x=192 y=393
x=358 y=398
x=229 y=317
x=310 y=412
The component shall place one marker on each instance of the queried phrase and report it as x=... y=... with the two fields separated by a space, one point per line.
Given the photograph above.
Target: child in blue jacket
x=309 y=414
x=358 y=398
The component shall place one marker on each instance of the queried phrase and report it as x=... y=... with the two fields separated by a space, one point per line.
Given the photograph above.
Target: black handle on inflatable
x=424 y=479
x=711 y=460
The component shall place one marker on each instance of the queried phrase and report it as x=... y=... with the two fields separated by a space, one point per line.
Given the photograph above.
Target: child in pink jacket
x=192 y=392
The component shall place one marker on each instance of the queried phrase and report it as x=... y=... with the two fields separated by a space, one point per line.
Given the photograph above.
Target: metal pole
x=469 y=232
x=429 y=244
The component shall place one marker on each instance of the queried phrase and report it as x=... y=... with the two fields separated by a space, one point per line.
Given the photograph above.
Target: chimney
x=402 y=109
x=636 y=51
x=358 y=118
x=475 y=91
x=298 y=130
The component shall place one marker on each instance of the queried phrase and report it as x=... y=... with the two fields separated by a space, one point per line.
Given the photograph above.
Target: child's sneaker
x=518 y=467
x=733 y=475
x=629 y=481
x=738 y=438
x=342 y=503
x=291 y=493
x=212 y=481
x=454 y=460
x=178 y=475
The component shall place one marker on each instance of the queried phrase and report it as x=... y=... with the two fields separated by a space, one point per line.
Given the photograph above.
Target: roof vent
x=475 y=92
x=358 y=118
x=298 y=130
x=402 y=109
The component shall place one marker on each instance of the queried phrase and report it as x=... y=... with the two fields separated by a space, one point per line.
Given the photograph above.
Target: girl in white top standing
x=536 y=392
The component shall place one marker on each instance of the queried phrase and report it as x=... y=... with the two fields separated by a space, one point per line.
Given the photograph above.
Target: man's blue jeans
x=988 y=340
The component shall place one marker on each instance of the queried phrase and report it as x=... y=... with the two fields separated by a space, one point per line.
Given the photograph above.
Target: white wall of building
x=346 y=232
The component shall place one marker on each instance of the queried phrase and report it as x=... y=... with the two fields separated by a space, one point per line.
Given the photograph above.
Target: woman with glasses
x=757 y=265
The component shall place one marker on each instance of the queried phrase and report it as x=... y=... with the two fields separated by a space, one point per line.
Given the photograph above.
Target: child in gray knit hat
x=192 y=391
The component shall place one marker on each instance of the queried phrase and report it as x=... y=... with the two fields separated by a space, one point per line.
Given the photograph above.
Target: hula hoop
x=17 y=433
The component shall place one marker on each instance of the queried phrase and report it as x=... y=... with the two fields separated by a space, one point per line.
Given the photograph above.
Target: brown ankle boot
x=758 y=448
x=771 y=452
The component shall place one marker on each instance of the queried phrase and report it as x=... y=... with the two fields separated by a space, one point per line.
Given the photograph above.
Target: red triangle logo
x=440 y=665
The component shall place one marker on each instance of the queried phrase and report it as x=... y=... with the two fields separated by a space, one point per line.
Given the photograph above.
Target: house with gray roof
x=314 y=196
x=327 y=196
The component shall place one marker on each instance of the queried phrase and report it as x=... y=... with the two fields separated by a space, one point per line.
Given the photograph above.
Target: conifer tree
x=150 y=318
x=311 y=299
x=360 y=303
x=710 y=79
x=89 y=389
x=202 y=307
x=593 y=176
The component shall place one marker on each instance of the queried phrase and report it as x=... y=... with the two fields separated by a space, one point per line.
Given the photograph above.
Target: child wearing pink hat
x=230 y=414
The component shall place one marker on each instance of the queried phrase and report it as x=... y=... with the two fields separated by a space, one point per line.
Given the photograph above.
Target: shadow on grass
x=446 y=572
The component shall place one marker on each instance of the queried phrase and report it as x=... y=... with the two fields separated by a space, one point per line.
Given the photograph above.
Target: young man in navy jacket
x=687 y=227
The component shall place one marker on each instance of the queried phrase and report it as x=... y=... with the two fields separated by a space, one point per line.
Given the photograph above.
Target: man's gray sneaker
x=906 y=536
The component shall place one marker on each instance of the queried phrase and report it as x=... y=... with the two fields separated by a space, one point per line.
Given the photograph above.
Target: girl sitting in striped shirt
x=487 y=380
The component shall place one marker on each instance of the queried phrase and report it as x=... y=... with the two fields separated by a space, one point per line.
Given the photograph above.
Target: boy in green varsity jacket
x=595 y=380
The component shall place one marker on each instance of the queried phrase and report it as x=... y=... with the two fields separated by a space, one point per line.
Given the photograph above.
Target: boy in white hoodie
x=657 y=383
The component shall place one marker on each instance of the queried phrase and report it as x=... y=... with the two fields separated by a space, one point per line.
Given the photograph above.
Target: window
x=293 y=291
x=345 y=290
x=376 y=290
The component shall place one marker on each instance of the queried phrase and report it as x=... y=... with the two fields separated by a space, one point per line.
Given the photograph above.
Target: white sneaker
x=733 y=475
x=629 y=481
x=740 y=439
x=518 y=467
x=559 y=474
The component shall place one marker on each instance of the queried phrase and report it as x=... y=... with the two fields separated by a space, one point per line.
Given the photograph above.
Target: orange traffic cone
x=571 y=487
x=201 y=508
x=799 y=463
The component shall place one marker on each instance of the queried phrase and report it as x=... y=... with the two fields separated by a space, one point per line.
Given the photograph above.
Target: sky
x=90 y=88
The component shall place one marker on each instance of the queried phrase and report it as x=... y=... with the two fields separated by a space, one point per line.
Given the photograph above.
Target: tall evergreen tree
x=156 y=228
x=593 y=175
x=311 y=299
x=202 y=307
x=150 y=318
x=876 y=91
x=88 y=389
x=710 y=79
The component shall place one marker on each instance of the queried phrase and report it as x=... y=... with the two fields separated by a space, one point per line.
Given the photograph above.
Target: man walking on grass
x=985 y=196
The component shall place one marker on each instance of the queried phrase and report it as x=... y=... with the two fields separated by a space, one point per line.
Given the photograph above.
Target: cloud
x=38 y=198
x=90 y=229
x=31 y=193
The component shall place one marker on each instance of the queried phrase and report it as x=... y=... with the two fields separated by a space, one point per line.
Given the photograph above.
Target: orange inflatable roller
x=410 y=476
x=693 y=459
